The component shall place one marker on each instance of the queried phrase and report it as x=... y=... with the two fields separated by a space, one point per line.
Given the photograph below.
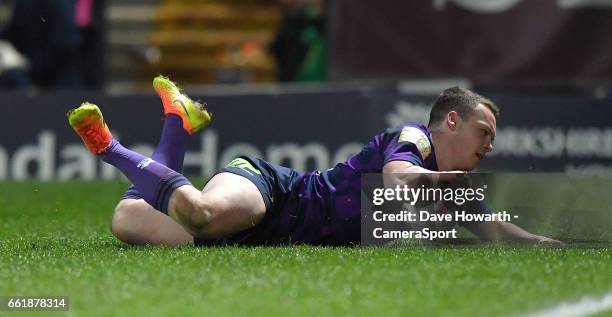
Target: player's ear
x=452 y=120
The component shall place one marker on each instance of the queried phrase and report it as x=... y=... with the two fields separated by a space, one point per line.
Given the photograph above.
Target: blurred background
x=304 y=83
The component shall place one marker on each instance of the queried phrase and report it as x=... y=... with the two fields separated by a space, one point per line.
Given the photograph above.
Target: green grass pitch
x=55 y=240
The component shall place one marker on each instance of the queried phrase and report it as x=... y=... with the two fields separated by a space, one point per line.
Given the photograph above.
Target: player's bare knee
x=202 y=218
x=192 y=211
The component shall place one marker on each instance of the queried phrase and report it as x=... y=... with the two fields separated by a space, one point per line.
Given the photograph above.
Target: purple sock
x=170 y=150
x=154 y=181
x=172 y=145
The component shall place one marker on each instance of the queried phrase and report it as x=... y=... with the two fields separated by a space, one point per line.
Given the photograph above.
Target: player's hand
x=541 y=240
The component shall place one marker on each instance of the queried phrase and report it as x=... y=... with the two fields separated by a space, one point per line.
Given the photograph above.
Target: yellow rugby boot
x=88 y=123
x=194 y=114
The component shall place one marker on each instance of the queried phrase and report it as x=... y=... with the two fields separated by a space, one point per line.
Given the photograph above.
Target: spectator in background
x=300 y=45
x=62 y=40
x=13 y=68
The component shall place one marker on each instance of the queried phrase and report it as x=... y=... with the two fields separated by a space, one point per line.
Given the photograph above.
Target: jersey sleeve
x=409 y=144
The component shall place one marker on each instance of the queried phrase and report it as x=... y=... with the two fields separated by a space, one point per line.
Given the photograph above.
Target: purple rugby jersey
x=323 y=208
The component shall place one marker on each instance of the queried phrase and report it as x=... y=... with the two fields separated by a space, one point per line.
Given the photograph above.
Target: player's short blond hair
x=461 y=100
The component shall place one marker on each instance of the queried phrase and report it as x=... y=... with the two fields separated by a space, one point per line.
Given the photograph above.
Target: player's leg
x=134 y=220
x=232 y=199
x=229 y=203
x=154 y=181
x=201 y=214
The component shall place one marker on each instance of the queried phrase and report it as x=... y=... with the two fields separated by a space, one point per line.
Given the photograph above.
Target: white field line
x=586 y=306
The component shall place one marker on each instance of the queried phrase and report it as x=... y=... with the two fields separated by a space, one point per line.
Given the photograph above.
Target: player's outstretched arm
x=402 y=172
x=508 y=232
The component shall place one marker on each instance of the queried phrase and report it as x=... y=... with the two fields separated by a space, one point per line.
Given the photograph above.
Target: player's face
x=474 y=138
